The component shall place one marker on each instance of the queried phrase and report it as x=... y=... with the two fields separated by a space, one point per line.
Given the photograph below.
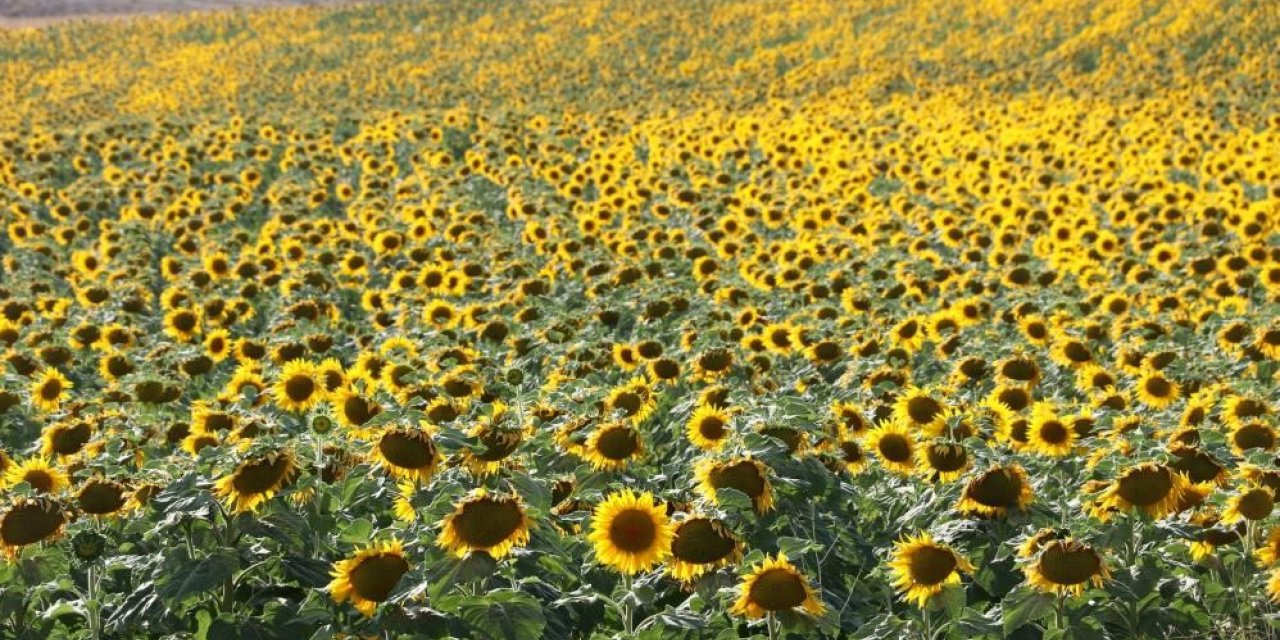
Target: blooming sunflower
x=701 y=544
x=299 y=386
x=917 y=409
x=942 y=460
x=1066 y=566
x=1156 y=390
x=1254 y=502
x=49 y=389
x=39 y=474
x=774 y=586
x=487 y=523
x=923 y=567
x=748 y=475
x=1048 y=434
x=256 y=480
x=894 y=446
x=368 y=577
x=611 y=446
x=630 y=532
x=708 y=427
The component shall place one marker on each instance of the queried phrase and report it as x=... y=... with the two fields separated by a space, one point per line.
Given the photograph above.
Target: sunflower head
x=748 y=475
x=701 y=544
x=1066 y=566
x=256 y=480
x=773 y=586
x=368 y=577
x=612 y=445
x=894 y=446
x=407 y=454
x=997 y=490
x=923 y=567
x=30 y=521
x=485 y=523
x=299 y=387
x=630 y=532
x=709 y=427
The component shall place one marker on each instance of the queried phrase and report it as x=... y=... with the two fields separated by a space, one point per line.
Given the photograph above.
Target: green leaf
x=358 y=532
x=504 y=613
x=178 y=577
x=1024 y=605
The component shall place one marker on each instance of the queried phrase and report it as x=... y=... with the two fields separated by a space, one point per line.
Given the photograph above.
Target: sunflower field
x=658 y=319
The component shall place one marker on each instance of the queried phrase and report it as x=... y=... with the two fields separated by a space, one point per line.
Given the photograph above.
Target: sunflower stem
x=627 y=624
x=771 y=626
x=927 y=620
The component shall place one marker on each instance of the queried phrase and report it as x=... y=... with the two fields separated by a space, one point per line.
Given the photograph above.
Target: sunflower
x=701 y=544
x=853 y=458
x=407 y=454
x=49 y=389
x=182 y=324
x=775 y=586
x=997 y=490
x=256 y=480
x=30 y=521
x=486 y=523
x=922 y=568
x=100 y=497
x=713 y=364
x=217 y=344
x=708 y=427
x=1066 y=566
x=1047 y=434
x=1254 y=503
x=299 y=386
x=943 y=460
x=39 y=474
x=1239 y=409
x=353 y=409
x=748 y=475
x=1252 y=435
x=634 y=401
x=849 y=421
x=894 y=446
x=611 y=446
x=500 y=442
x=368 y=577
x=1019 y=370
x=1155 y=489
x=65 y=438
x=917 y=409
x=630 y=532
x=1155 y=390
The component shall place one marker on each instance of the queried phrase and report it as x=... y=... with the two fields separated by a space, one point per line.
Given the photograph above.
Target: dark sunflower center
x=1249 y=408
x=931 y=565
x=666 y=369
x=780 y=337
x=333 y=380
x=1014 y=398
x=119 y=366
x=743 y=476
x=996 y=488
x=633 y=531
x=51 y=389
x=712 y=427
x=700 y=541
x=184 y=322
x=30 y=522
x=923 y=409
x=1076 y=352
x=1254 y=436
x=407 y=450
x=947 y=457
x=1256 y=504
x=852 y=451
x=628 y=402
x=39 y=479
x=826 y=351
x=443 y=412
x=1020 y=369
x=260 y=476
x=617 y=443
x=908 y=330
x=1068 y=564
x=99 y=498
x=1053 y=432
x=218 y=422
x=1146 y=486
x=68 y=441
x=500 y=445
x=717 y=360
x=778 y=590
x=1158 y=387
x=358 y=410
x=487 y=522
x=894 y=448
x=376 y=576
x=457 y=387
x=299 y=388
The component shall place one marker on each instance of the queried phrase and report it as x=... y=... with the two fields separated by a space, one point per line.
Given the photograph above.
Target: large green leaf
x=504 y=613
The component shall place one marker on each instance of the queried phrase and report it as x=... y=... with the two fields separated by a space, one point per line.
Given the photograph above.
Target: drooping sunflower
x=1155 y=489
x=493 y=524
x=1066 y=566
x=630 y=532
x=1254 y=502
x=299 y=386
x=499 y=439
x=39 y=474
x=49 y=389
x=30 y=521
x=407 y=454
x=634 y=401
x=746 y=474
x=65 y=438
x=701 y=544
x=368 y=577
x=100 y=497
x=612 y=446
x=1048 y=434
x=713 y=364
x=942 y=460
x=256 y=480
x=852 y=457
x=773 y=586
x=1253 y=434
x=894 y=446
x=923 y=567
x=708 y=427
x=997 y=490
